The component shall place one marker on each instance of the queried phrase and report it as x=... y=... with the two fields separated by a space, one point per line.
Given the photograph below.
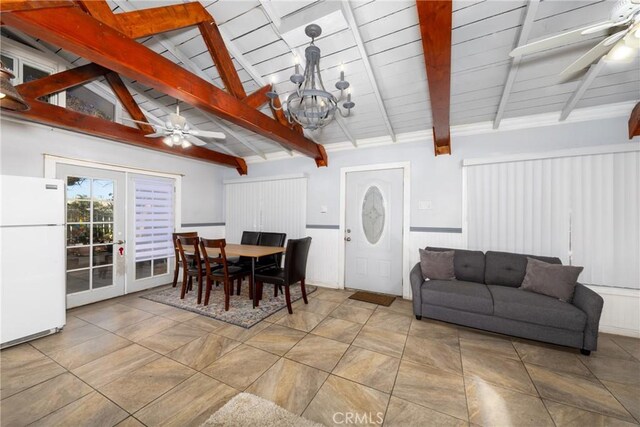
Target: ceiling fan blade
x=606 y=25
x=553 y=41
x=198 y=142
x=585 y=60
x=139 y=121
x=155 y=135
x=207 y=134
x=615 y=37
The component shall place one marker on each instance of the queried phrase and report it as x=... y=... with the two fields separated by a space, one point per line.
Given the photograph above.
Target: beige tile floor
x=131 y=362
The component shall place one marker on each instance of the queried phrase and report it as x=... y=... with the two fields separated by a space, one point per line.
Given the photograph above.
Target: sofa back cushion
x=508 y=269
x=468 y=265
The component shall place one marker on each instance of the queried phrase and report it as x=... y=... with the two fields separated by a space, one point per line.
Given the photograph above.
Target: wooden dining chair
x=217 y=269
x=176 y=271
x=191 y=265
x=294 y=271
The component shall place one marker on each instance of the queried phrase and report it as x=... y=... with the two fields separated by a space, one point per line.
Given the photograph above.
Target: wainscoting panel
x=621 y=311
x=208 y=231
x=322 y=265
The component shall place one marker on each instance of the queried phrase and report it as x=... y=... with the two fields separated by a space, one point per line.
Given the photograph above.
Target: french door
x=95 y=230
x=151 y=222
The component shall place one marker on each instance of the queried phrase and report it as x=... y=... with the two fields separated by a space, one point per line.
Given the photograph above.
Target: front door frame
x=406 y=216
x=51 y=163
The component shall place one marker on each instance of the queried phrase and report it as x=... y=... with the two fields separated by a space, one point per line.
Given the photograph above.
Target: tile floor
x=131 y=362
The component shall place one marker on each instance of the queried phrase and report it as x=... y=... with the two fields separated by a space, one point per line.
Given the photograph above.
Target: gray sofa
x=485 y=295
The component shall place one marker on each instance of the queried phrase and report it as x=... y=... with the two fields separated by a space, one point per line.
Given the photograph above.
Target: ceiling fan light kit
x=311 y=105
x=176 y=131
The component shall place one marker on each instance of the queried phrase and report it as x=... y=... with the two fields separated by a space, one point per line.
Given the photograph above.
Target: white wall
x=23 y=146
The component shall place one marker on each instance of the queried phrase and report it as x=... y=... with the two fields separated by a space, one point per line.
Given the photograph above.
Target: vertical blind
x=277 y=205
x=584 y=209
x=153 y=218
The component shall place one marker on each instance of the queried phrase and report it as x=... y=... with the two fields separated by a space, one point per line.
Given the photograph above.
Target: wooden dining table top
x=234 y=249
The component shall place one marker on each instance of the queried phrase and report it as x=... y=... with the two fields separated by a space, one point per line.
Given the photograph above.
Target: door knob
x=348 y=239
x=120 y=242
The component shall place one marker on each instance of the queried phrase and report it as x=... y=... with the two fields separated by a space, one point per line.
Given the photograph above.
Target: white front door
x=95 y=230
x=373 y=231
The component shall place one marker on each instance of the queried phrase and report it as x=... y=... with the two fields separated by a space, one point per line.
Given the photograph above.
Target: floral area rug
x=241 y=312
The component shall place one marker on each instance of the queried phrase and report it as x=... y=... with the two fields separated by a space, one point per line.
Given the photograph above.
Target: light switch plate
x=424 y=205
x=323 y=209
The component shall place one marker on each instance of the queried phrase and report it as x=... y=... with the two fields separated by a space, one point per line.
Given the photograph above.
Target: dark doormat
x=379 y=299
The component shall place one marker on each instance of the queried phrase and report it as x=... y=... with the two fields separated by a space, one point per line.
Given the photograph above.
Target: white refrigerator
x=32 y=258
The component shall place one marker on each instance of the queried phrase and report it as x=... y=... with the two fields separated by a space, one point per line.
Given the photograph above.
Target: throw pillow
x=554 y=280
x=437 y=265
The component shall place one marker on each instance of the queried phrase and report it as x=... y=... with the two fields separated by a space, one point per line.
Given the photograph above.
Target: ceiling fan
x=176 y=131
x=622 y=42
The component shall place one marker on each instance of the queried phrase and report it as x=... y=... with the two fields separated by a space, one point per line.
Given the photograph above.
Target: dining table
x=250 y=251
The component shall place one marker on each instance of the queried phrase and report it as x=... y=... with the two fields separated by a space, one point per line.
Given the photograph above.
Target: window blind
x=153 y=218
x=277 y=205
x=583 y=209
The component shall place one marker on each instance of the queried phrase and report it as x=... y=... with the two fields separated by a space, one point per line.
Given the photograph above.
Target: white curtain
x=277 y=205
x=584 y=209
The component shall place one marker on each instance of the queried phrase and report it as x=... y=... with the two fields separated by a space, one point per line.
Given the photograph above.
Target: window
x=153 y=225
x=89 y=233
x=26 y=69
x=84 y=101
x=373 y=214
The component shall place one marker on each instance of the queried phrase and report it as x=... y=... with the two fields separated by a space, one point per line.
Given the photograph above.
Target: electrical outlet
x=425 y=205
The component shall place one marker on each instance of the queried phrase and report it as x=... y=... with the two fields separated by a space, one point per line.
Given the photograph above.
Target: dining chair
x=270 y=239
x=217 y=269
x=294 y=271
x=248 y=238
x=191 y=267
x=176 y=271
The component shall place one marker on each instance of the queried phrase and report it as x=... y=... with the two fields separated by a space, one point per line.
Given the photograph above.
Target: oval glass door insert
x=373 y=214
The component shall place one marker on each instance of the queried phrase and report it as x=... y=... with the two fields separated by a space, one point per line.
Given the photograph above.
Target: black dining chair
x=248 y=238
x=294 y=271
x=270 y=239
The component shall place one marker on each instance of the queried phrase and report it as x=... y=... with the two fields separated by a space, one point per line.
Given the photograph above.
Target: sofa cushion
x=437 y=265
x=468 y=265
x=508 y=269
x=516 y=304
x=553 y=280
x=457 y=294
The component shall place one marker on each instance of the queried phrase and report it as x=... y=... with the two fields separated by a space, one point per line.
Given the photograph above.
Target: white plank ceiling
x=484 y=32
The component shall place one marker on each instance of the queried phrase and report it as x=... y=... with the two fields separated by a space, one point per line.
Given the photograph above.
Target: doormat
x=241 y=311
x=379 y=299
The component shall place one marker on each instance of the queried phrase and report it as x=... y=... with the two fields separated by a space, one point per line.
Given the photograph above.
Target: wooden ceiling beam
x=16 y=5
x=100 y=10
x=127 y=101
x=190 y=65
x=221 y=58
x=435 y=27
x=75 y=31
x=156 y=20
x=634 y=122
x=64 y=118
x=64 y=80
x=258 y=98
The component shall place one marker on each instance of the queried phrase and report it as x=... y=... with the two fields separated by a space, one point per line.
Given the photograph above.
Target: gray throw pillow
x=437 y=265
x=554 y=280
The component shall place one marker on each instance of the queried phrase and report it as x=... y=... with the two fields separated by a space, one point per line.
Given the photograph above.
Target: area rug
x=248 y=410
x=241 y=312
x=379 y=299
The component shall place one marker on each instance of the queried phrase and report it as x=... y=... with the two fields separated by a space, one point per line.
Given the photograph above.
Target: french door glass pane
x=78 y=258
x=160 y=266
x=143 y=269
x=90 y=216
x=78 y=281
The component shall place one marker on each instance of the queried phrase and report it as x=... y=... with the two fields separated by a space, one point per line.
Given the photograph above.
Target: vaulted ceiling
x=380 y=44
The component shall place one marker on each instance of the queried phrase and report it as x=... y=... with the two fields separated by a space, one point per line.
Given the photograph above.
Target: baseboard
x=324 y=285
x=620 y=331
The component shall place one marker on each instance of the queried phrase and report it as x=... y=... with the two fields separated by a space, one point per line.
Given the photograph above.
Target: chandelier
x=311 y=105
